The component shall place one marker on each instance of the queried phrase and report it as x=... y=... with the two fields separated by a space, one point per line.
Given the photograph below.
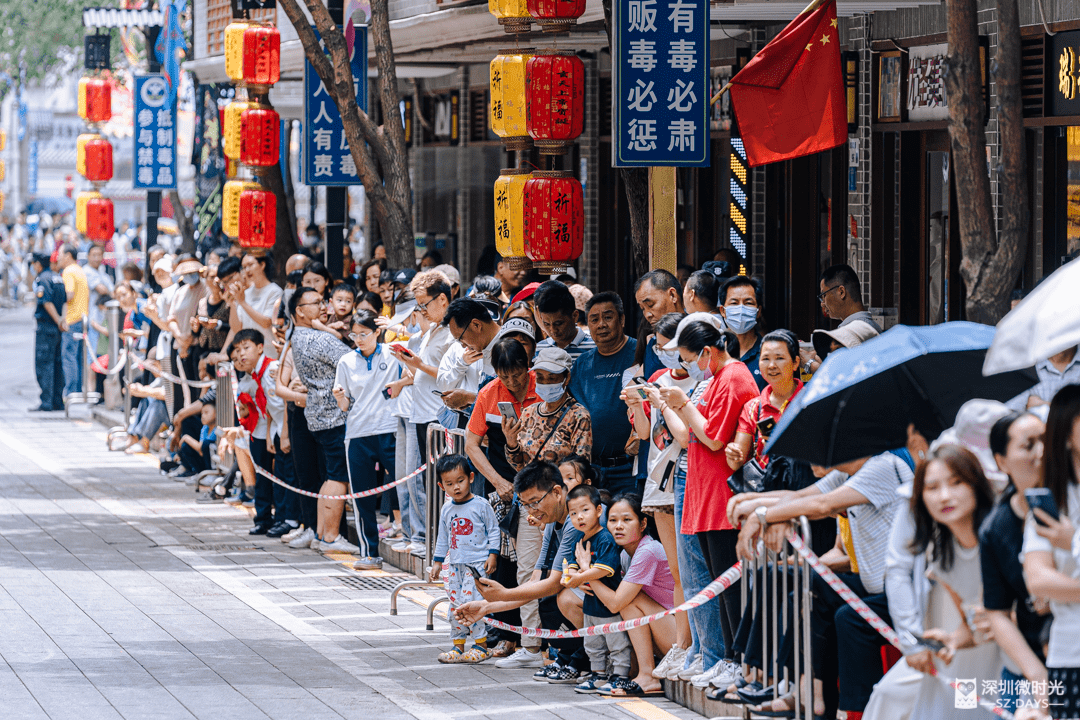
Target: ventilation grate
x=375 y=582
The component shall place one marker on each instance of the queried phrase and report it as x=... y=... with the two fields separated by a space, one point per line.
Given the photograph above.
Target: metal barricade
x=87 y=396
x=437 y=446
x=770 y=581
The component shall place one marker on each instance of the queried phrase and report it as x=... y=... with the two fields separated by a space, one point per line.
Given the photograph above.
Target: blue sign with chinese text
x=660 y=98
x=155 y=134
x=327 y=159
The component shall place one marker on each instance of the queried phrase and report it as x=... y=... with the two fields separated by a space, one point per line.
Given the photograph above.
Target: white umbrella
x=1045 y=323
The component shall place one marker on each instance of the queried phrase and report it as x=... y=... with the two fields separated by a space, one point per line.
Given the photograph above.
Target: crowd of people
x=607 y=473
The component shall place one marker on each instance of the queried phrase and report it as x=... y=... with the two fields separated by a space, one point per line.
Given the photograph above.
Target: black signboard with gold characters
x=1063 y=67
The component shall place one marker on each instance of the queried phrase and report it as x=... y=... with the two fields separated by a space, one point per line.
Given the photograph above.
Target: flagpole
x=809 y=8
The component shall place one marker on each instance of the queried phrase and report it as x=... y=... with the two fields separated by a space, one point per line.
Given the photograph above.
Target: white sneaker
x=696 y=667
x=729 y=674
x=705 y=679
x=401 y=546
x=340 y=544
x=521 y=658
x=292 y=534
x=417 y=549
x=674 y=657
x=304 y=539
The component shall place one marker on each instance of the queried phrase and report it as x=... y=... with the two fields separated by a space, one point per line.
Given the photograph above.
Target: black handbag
x=751 y=476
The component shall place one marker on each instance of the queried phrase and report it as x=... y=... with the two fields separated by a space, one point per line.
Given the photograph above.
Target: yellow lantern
x=3 y=139
x=508 y=98
x=230 y=205
x=1 y=202
x=81 y=201
x=3 y=171
x=510 y=217
x=232 y=138
x=234 y=50
x=513 y=15
x=80 y=151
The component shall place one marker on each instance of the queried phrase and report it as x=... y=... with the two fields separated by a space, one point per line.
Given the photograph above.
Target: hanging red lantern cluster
x=99 y=219
x=99 y=160
x=258 y=219
x=95 y=99
x=261 y=138
x=554 y=220
x=556 y=16
x=554 y=100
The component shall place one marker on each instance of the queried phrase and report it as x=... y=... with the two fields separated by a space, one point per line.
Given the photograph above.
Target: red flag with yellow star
x=789 y=99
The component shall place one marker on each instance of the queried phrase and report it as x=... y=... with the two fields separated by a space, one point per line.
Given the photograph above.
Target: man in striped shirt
x=555 y=309
x=867 y=491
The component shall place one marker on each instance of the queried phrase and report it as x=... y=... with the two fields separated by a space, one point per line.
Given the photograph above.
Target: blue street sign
x=326 y=157
x=155 y=134
x=660 y=98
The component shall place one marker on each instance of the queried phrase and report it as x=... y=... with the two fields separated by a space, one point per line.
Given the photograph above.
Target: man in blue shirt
x=51 y=296
x=741 y=308
x=598 y=378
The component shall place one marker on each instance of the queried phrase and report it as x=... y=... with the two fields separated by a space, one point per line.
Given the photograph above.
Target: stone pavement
x=122 y=598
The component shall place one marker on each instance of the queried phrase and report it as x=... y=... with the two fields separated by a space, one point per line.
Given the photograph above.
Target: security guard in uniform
x=51 y=296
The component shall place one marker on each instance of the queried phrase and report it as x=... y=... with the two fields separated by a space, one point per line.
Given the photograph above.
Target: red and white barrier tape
x=710 y=591
x=350 y=496
x=864 y=611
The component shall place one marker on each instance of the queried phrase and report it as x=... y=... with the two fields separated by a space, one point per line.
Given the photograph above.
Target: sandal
x=451 y=657
x=788 y=702
x=474 y=655
x=625 y=687
x=504 y=648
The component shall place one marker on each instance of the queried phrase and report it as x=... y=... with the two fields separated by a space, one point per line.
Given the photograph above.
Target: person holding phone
x=950 y=499
x=1051 y=549
x=370 y=425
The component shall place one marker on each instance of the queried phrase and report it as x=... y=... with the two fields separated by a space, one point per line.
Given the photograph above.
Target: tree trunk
x=989 y=267
x=636 y=185
x=184 y=223
x=285 y=245
x=389 y=192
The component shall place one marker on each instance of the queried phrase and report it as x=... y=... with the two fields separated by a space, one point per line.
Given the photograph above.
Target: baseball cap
x=165 y=264
x=552 y=359
x=715 y=320
x=526 y=292
x=450 y=272
x=520 y=325
x=404 y=276
x=404 y=310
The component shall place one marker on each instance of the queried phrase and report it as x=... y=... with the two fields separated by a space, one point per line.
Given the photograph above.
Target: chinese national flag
x=789 y=99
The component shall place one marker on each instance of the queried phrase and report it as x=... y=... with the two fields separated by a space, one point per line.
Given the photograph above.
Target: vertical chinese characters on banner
x=660 y=103
x=155 y=134
x=327 y=159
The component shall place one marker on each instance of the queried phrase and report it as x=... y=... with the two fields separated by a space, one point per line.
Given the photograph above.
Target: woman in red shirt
x=707 y=351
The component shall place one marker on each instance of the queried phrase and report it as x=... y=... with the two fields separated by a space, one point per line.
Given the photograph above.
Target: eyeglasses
x=423 y=306
x=320 y=303
x=458 y=338
x=357 y=337
x=821 y=295
x=536 y=504
x=687 y=363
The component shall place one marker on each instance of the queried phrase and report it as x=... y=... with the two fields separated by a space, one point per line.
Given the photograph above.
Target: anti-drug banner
x=660 y=98
x=327 y=159
x=155 y=134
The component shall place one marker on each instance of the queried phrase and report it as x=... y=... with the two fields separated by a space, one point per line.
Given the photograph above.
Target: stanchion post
x=129 y=370
x=808 y=599
x=112 y=381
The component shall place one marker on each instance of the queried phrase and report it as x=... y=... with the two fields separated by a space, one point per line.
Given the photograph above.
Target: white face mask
x=740 y=318
x=668 y=358
x=550 y=393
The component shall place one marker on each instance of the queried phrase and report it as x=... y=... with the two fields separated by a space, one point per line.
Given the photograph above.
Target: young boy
x=194 y=453
x=340 y=312
x=583 y=503
x=262 y=413
x=469 y=543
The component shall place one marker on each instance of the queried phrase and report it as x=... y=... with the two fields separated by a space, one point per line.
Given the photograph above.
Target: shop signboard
x=1063 y=66
x=155 y=134
x=327 y=159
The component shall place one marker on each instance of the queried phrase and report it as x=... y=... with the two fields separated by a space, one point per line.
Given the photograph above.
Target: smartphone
x=506 y=409
x=932 y=645
x=765 y=425
x=386 y=393
x=669 y=472
x=640 y=380
x=1042 y=499
x=474 y=572
x=639 y=389
x=204 y=319
x=440 y=393
x=402 y=349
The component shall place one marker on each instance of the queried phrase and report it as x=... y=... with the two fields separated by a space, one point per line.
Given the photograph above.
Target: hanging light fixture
x=234 y=50
x=261 y=137
x=99 y=219
x=508 y=119
x=262 y=55
x=554 y=220
x=95 y=99
x=513 y=15
x=509 y=217
x=258 y=220
x=555 y=100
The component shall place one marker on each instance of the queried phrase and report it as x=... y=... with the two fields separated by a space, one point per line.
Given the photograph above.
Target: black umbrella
x=861 y=400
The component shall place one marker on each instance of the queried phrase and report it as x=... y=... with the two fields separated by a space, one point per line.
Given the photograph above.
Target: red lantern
x=554 y=220
x=262 y=55
x=99 y=219
x=258 y=220
x=261 y=133
x=556 y=15
x=95 y=99
x=99 y=160
x=555 y=100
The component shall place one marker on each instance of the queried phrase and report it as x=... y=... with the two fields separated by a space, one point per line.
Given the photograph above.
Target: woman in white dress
x=950 y=499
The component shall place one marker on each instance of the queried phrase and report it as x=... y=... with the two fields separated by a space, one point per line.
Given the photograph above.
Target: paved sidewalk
x=122 y=598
